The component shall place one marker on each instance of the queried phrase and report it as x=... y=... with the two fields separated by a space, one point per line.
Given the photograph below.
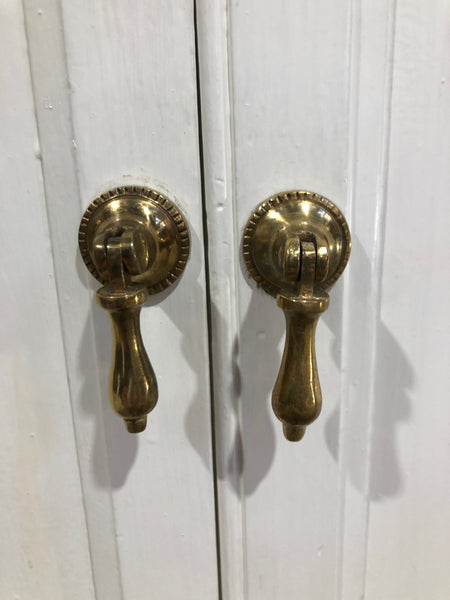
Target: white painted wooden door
x=95 y=95
x=350 y=99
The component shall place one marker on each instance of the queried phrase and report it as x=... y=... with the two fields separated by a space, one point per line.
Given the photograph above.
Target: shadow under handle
x=133 y=390
x=296 y=397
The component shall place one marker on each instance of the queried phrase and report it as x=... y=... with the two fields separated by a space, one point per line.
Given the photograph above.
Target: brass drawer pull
x=295 y=246
x=135 y=242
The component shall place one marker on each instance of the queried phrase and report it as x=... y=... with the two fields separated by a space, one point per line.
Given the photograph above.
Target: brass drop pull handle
x=133 y=388
x=135 y=241
x=295 y=246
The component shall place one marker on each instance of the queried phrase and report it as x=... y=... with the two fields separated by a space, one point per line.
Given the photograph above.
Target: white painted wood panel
x=115 y=88
x=44 y=550
x=290 y=107
x=408 y=534
x=350 y=100
x=223 y=262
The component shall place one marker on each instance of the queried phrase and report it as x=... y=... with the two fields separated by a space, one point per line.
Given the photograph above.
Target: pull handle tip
x=293 y=433
x=136 y=425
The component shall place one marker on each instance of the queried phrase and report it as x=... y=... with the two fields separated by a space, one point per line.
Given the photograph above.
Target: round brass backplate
x=127 y=208
x=277 y=220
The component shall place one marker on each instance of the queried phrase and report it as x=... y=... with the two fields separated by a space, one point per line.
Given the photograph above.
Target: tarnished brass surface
x=296 y=245
x=136 y=242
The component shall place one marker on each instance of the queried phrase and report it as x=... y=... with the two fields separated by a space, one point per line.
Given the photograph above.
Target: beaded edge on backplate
x=273 y=202
x=156 y=197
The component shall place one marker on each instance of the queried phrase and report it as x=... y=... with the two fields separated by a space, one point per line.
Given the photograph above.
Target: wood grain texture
x=44 y=550
x=116 y=103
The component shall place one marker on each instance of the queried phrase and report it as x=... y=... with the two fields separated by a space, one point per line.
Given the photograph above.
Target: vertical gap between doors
x=208 y=301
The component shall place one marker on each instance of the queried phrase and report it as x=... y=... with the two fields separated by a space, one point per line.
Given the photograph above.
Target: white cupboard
x=220 y=105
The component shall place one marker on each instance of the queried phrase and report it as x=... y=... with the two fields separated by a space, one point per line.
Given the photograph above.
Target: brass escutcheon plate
x=127 y=208
x=279 y=218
